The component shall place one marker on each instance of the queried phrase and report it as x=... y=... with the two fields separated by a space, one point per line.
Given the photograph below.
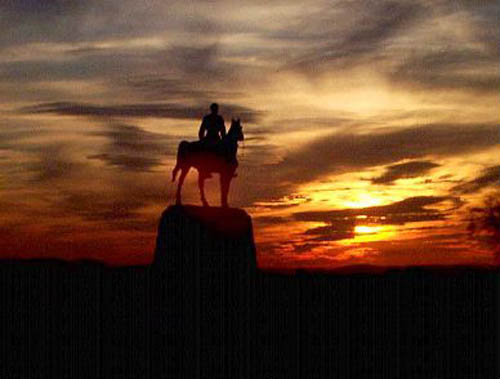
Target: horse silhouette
x=218 y=158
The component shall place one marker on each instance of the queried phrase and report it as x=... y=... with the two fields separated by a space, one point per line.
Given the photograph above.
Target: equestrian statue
x=215 y=152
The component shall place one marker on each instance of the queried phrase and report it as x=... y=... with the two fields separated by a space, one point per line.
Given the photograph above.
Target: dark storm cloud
x=133 y=149
x=489 y=177
x=404 y=171
x=343 y=152
x=165 y=110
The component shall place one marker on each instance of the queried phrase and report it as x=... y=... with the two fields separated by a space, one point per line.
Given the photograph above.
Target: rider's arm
x=201 y=132
x=222 y=128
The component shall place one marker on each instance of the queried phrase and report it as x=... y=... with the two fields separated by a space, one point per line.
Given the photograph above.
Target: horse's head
x=236 y=130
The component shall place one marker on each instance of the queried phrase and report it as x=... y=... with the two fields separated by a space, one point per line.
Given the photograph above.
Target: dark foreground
x=201 y=310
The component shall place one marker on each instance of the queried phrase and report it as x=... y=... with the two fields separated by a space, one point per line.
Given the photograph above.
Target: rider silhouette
x=212 y=128
x=212 y=131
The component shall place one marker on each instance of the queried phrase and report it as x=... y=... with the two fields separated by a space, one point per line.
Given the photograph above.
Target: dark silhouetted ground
x=202 y=310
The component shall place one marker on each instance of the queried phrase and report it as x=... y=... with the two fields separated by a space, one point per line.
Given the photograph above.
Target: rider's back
x=214 y=126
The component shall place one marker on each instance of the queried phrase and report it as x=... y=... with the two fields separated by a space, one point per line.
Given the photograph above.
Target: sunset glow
x=362 y=229
x=371 y=128
x=364 y=200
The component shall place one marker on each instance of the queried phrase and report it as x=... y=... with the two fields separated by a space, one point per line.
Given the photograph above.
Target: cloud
x=345 y=152
x=404 y=171
x=74 y=21
x=115 y=202
x=484 y=16
x=12 y=135
x=127 y=162
x=166 y=110
x=131 y=148
x=372 y=25
x=92 y=206
x=41 y=7
x=269 y=220
x=52 y=163
x=336 y=230
x=196 y=61
x=449 y=69
x=376 y=35
x=165 y=88
x=31 y=20
x=115 y=61
x=341 y=223
x=306 y=124
x=413 y=209
x=43 y=160
x=91 y=66
x=489 y=177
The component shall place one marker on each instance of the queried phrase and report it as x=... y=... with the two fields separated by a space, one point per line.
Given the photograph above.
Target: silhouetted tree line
x=485 y=223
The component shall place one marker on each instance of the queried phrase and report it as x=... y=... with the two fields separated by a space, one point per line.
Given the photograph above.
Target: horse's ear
x=232 y=119
x=238 y=119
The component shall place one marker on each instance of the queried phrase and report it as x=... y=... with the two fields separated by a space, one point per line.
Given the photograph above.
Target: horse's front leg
x=201 y=185
x=184 y=171
x=225 y=180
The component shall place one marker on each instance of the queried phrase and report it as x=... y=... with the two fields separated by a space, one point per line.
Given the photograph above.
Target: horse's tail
x=181 y=155
x=174 y=172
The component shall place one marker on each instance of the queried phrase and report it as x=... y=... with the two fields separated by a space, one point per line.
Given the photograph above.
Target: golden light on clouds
x=362 y=200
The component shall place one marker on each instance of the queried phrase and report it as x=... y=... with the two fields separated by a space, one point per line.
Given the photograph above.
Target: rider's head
x=214 y=108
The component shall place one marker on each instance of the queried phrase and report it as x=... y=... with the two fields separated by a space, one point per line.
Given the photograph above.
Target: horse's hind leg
x=184 y=171
x=201 y=185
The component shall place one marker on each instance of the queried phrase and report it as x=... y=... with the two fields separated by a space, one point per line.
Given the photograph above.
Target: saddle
x=216 y=147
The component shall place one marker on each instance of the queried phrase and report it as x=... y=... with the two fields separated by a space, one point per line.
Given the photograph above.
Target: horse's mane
x=232 y=128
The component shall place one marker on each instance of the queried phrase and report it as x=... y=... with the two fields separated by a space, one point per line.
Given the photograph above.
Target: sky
x=371 y=127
